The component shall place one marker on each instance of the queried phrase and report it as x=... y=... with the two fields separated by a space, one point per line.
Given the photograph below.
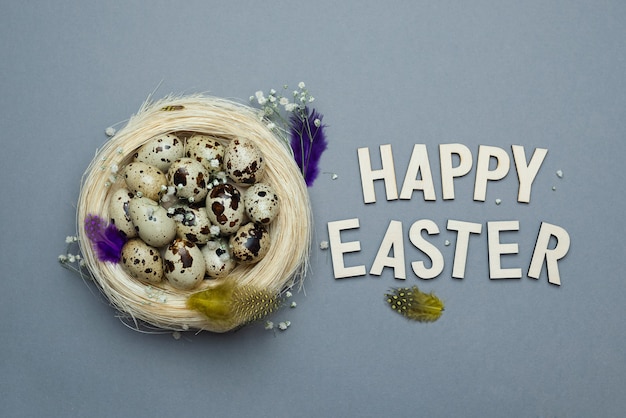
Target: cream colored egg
x=119 y=212
x=250 y=243
x=225 y=208
x=206 y=150
x=144 y=180
x=142 y=261
x=184 y=265
x=151 y=221
x=161 y=151
x=243 y=162
x=189 y=177
x=192 y=224
x=261 y=203
x=218 y=258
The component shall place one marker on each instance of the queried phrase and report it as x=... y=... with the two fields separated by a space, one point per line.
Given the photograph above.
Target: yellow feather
x=415 y=304
x=230 y=303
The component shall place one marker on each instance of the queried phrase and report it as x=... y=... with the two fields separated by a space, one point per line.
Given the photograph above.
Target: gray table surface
x=537 y=74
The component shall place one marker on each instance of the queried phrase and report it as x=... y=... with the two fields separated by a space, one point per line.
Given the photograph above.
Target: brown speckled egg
x=225 y=208
x=119 y=212
x=261 y=203
x=151 y=221
x=189 y=177
x=142 y=261
x=243 y=162
x=183 y=264
x=161 y=151
x=192 y=224
x=206 y=150
x=250 y=243
x=144 y=180
x=218 y=258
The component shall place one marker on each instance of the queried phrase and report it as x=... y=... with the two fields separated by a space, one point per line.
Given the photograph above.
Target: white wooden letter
x=483 y=174
x=464 y=229
x=386 y=173
x=448 y=173
x=419 y=164
x=393 y=240
x=527 y=173
x=496 y=249
x=551 y=256
x=415 y=235
x=338 y=248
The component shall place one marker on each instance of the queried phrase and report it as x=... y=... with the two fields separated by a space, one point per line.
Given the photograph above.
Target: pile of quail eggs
x=193 y=208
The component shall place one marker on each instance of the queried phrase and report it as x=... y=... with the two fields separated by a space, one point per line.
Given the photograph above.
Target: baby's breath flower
x=283 y=101
x=271 y=125
x=317 y=123
x=301 y=85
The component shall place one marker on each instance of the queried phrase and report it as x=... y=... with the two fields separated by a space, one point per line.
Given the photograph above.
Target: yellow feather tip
x=234 y=304
x=414 y=304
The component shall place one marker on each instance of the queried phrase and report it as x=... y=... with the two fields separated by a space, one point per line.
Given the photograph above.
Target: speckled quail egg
x=160 y=151
x=144 y=180
x=151 y=221
x=218 y=258
x=189 y=177
x=250 y=243
x=183 y=264
x=225 y=208
x=243 y=162
x=142 y=261
x=206 y=150
x=192 y=224
x=261 y=203
x=119 y=212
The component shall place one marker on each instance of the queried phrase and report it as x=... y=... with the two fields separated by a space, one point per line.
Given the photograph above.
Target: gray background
x=534 y=73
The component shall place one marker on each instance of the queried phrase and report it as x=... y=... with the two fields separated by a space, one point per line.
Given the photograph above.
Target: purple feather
x=105 y=238
x=308 y=143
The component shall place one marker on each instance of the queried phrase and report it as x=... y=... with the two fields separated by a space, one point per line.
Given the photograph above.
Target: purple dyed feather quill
x=105 y=238
x=308 y=143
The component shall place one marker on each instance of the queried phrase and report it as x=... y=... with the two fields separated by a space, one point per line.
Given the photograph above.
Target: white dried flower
x=324 y=245
x=301 y=85
x=224 y=257
x=269 y=325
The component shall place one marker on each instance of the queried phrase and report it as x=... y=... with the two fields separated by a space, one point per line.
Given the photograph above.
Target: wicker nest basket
x=161 y=305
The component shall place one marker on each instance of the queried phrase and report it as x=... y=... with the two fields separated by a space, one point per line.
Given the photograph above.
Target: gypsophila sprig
x=72 y=260
x=291 y=114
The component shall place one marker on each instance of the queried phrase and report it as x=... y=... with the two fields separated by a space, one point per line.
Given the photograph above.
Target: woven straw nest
x=161 y=305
